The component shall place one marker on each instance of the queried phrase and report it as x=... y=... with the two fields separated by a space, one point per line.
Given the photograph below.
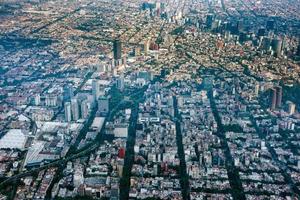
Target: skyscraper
x=266 y=43
x=103 y=105
x=292 y=108
x=68 y=92
x=68 y=113
x=276 y=97
x=277 y=46
x=96 y=89
x=84 y=109
x=120 y=82
x=279 y=96
x=209 y=20
x=117 y=49
x=273 y=97
x=75 y=109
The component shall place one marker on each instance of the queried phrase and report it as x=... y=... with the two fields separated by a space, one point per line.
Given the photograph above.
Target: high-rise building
x=278 y=96
x=96 y=89
x=75 y=109
x=120 y=83
x=292 y=108
x=103 y=105
x=84 y=109
x=273 y=97
x=68 y=113
x=277 y=46
x=209 y=20
x=266 y=43
x=68 y=92
x=117 y=49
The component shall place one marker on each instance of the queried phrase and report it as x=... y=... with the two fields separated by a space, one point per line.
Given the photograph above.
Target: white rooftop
x=13 y=139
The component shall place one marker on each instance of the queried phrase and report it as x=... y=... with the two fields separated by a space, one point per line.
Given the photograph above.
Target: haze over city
x=150 y=99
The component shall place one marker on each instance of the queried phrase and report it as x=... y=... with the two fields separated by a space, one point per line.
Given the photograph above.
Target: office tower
x=242 y=37
x=277 y=46
x=117 y=49
x=278 y=96
x=68 y=92
x=292 y=108
x=266 y=43
x=209 y=20
x=68 y=113
x=120 y=83
x=37 y=99
x=75 y=109
x=96 y=89
x=103 y=105
x=84 y=109
x=273 y=97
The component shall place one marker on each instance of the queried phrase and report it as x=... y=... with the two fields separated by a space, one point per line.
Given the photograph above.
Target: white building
x=97 y=123
x=75 y=109
x=121 y=130
x=103 y=105
x=13 y=139
x=85 y=107
x=292 y=108
x=68 y=113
